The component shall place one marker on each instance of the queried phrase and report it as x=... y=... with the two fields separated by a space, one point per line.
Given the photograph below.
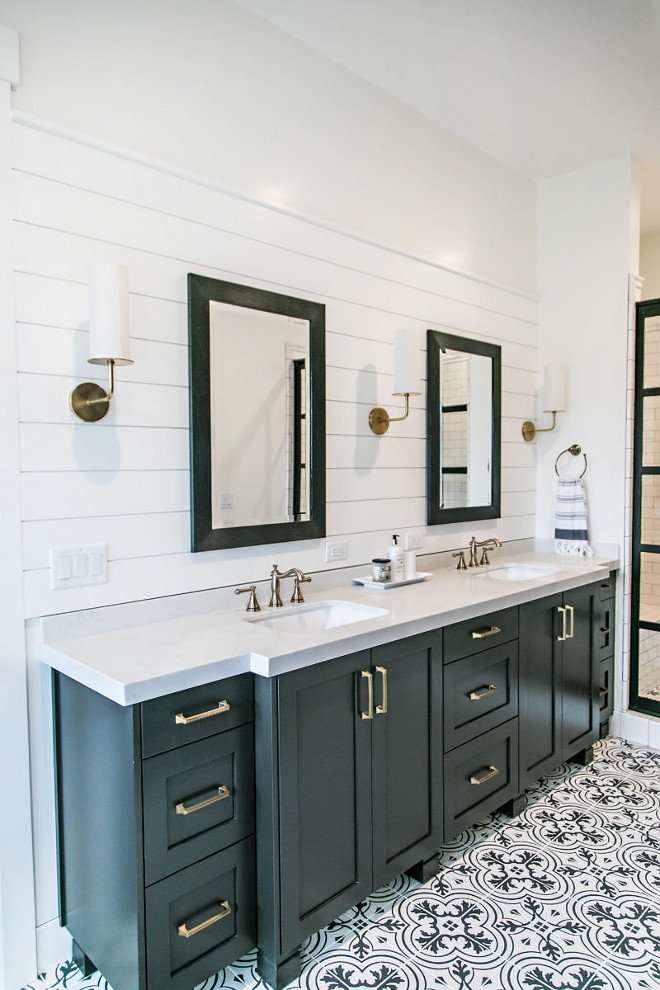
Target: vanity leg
x=425 y=870
x=278 y=974
x=514 y=806
x=584 y=757
x=83 y=962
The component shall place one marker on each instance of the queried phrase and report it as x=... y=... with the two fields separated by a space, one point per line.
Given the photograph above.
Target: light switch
x=72 y=567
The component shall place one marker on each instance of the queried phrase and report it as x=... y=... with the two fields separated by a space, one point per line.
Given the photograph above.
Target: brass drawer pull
x=603 y=692
x=187 y=932
x=605 y=630
x=492 y=772
x=370 y=703
x=606 y=587
x=223 y=706
x=382 y=709
x=482 y=633
x=182 y=809
x=569 y=608
x=478 y=695
x=560 y=639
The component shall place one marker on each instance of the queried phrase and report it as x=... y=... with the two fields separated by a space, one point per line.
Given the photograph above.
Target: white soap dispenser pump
x=395 y=553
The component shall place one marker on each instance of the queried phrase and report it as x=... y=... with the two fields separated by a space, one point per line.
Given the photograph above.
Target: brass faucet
x=275 y=578
x=487 y=545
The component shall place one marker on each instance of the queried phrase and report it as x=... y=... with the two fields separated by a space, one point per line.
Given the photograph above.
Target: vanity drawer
x=201 y=919
x=474 y=635
x=604 y=628
x=479 y=693
x=607 y=588
x=480 y=776
x=197 y=799
x=185 y=717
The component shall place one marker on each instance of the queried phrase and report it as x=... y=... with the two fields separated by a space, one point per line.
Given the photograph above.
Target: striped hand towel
x=571 y=518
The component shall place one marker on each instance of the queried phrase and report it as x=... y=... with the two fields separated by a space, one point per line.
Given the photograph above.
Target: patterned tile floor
x=564 y=897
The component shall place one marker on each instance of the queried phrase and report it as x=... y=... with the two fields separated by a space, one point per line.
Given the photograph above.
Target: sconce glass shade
x=554 y=390
x=405 y=364
x=108 y=314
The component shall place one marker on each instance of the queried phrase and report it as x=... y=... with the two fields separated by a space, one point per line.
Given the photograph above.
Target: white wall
x=585 y=251
x=649 y=265
x=210 y=87
x=588 y=236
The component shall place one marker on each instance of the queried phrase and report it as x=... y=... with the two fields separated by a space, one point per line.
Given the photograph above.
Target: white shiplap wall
x=124 y=481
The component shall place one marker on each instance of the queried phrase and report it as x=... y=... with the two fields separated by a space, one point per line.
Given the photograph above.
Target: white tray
x=382 y=585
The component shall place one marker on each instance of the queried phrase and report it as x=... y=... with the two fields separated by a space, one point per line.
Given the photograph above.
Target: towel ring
x=575 y=450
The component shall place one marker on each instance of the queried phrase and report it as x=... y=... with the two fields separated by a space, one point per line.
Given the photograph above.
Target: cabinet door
x=540 y=704
x=406 y=754
x=579 y=675
x=325 y=794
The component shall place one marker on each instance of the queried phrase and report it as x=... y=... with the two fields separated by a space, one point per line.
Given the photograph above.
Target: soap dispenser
x=395 y=553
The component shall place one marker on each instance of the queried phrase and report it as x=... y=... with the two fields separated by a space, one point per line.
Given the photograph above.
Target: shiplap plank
x=362 y=453
x=68 y=494
x=401 y=515
x=98 y=171
x=346 y=485
x=150 y=535
x=85 y=447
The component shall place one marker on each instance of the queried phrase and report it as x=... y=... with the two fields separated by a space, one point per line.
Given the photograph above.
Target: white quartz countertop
x=129 y=665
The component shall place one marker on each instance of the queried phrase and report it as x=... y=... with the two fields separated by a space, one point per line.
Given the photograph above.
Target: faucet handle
x=298 y=579
x=461 y=565
x=252 y=605
x=484 y=556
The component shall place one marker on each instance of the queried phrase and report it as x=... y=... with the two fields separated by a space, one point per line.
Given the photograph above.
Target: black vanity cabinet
x=559 y=680
x=349 y=778
x=156 y=832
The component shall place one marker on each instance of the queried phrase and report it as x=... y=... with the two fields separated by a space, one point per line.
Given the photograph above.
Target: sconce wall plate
x=89 y=402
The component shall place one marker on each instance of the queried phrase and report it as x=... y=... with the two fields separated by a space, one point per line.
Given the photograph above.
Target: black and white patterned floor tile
x=564 y=897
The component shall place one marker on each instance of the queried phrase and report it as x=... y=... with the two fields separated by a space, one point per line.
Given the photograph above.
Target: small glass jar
x=381 y=569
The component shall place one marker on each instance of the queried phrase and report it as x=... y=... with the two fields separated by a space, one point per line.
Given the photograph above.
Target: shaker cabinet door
x=406 y=754
x=325 y=793
x=540 y=701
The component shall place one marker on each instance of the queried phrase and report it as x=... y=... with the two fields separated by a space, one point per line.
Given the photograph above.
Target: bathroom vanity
x=244 y=786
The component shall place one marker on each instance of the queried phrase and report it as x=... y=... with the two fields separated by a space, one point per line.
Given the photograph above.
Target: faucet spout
x=276 y=576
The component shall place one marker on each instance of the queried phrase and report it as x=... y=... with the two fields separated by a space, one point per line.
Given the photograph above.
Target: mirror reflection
x=257 y=380
x=259 y=466
x=463 y=421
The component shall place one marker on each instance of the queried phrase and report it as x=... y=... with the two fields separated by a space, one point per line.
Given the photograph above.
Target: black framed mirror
x=257 y=415
x=463 y=416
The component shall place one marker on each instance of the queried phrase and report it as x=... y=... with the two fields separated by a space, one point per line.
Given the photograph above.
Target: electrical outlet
x=336 y=551
x=413 y=541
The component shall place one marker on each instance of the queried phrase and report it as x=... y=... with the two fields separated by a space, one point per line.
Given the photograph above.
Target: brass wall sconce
x=554 y=391
x=108 y=339
x=405 y=379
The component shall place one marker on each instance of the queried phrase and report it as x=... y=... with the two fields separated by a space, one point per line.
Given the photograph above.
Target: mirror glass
x=463 y=428
x=257 y=388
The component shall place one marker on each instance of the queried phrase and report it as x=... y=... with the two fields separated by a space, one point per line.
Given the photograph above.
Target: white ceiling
x=544 y=86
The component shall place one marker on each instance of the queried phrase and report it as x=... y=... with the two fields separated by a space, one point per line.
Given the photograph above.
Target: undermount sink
x=517 y=572
x=319 y=616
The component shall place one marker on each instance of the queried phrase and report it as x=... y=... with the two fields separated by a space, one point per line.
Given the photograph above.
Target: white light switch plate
x=73 y=567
